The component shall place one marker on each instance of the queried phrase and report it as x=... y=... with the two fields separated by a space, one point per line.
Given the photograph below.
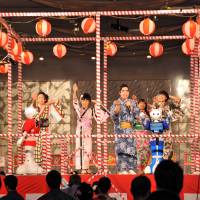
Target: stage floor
x=31 y=187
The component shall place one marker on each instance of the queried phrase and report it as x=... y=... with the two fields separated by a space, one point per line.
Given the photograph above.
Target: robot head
x=30 y=112
x=156 y=114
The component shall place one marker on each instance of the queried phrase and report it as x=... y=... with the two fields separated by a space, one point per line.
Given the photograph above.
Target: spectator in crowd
x=74 y=182
x=140 y=187
x=11 y=183
x=103 y=187
x=163 y=195
x=169 y=176
x=84 y=192
x=53 y=179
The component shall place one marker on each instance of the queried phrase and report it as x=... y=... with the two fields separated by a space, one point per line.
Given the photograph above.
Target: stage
x=31 y=187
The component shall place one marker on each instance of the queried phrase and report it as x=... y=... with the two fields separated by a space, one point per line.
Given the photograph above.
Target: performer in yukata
x=142 y=143
x=123 y=112
x=85 y=114
x=171 y=112
x=48 y=109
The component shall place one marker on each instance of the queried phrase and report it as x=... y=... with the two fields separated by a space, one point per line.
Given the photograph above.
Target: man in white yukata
x=85 y=114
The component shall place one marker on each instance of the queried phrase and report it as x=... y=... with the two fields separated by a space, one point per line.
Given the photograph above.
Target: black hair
x=46 y=97
x=53 y=179
x=140 y=186
x=86 y=96
x=163 y=92
x=169 y=176
x=11 y=182
x=146 y=110
x=74 y=179
x=104 y=185
x=122 y=86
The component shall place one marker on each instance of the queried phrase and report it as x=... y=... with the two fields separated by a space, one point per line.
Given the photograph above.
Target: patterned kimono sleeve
x=56 y=112
x=114 y=117
x=175 y=112
x=103 y=115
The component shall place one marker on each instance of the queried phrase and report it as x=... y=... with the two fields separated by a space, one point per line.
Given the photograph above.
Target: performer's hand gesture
x=75 y=87
x=34 y=95
x=117 y=106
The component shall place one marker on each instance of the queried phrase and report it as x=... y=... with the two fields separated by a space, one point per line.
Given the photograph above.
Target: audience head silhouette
x=53 y=179
x=169 y=176
x=140 y=187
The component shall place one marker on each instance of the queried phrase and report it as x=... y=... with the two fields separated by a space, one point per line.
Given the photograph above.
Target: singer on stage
x=123 y=112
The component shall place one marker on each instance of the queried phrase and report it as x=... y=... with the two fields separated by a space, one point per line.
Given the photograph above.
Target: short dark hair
x=84 y=192
x=104 y=185
x=122 y=86
x=169 y=176
x=11 y=182
x=74 y=179
x=140 y=186
x=86 y=96
x=46 y=97
x=53 y=179
x=163 y=195
x=163 y=92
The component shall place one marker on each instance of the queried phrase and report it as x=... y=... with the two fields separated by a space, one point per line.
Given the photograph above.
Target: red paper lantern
x=189 y=28
x=27 y=57
x=156 y=49
x=88 y=25
x=3 y=39
x=186 y=48
x=17 y=49
x=43 y=27
x=111 y=49
x=59 y=50
x=3 y=68
x=147 y=26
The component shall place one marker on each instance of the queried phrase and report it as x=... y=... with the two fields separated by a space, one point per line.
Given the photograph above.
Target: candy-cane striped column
x=98 y=89
x=48 y=151
x=10 y=163
x=63 y=156
x=105 y=103
x=194 y=104
x=19 y=91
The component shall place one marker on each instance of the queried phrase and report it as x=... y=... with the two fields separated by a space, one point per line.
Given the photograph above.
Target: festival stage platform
x=31 y=187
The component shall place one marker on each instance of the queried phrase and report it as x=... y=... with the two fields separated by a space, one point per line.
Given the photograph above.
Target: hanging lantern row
x=16 y=49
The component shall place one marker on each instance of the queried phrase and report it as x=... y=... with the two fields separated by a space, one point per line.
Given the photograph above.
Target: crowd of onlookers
x=168 y=177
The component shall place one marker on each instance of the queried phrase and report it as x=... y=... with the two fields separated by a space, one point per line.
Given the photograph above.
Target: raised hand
x=75 y=87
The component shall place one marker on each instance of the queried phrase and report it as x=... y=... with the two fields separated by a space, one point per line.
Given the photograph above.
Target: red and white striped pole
x=105 y=103
x=98 y=89
x=10 y=162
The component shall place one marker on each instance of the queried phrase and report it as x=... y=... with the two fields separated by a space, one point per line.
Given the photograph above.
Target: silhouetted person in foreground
x=11 y=183
x=53 y=180
x=84 y=192
x=169 y=176
x=74 y=182
x=103 y=187
x=140 y=187
x=163 y=195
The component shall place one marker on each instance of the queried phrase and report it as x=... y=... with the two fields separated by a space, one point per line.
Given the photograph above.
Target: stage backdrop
x=62 y=90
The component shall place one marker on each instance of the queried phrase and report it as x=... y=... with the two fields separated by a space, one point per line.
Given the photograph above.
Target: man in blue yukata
x=123 y=112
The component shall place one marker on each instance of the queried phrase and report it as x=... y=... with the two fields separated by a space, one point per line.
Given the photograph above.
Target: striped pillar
x=98 y=90
x=9 y=158
x=105 y=103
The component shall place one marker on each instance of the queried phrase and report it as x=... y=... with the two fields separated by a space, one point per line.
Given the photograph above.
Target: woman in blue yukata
x=123 y=112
